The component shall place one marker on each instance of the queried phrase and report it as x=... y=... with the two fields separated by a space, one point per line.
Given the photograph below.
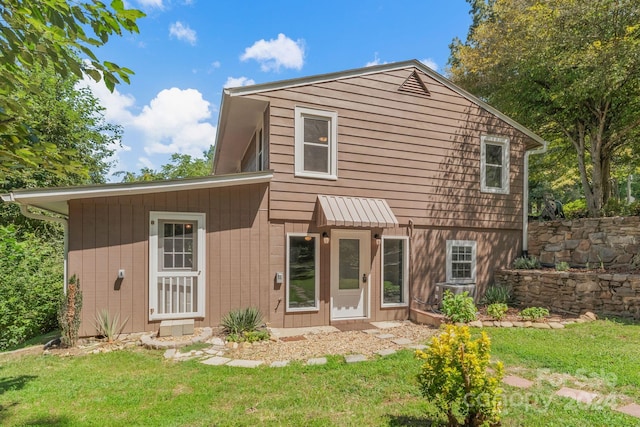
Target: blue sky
x=187 y=51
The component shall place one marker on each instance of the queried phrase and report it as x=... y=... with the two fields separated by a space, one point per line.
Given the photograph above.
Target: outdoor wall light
x=377 y=237
x=325 y=238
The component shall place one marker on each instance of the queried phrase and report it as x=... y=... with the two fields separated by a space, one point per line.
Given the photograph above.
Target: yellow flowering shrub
x=458 y=376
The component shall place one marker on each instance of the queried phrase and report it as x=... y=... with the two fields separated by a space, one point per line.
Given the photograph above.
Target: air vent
x=415 y=85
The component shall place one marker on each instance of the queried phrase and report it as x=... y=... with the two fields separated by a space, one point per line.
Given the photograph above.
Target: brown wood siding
x=108 y=234
x=421 y=154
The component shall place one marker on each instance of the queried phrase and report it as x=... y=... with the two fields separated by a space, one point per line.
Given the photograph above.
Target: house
x=340 y=197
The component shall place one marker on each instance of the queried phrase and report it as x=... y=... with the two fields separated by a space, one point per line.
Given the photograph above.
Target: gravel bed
x=333 y=343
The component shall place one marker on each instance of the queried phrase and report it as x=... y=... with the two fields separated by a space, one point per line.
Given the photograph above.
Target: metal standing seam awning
x=354 y=212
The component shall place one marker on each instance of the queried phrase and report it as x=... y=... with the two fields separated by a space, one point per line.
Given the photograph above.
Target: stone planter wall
x=575 y=292
x=588 y=242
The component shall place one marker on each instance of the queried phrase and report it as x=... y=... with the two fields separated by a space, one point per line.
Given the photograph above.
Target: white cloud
x=430 y=63
x=116 y=104
x=151 y=3
x=143 y=162
x=238 y=81
x=215 y=64
x=276 y=53
x=183 y=32
x=376 y=61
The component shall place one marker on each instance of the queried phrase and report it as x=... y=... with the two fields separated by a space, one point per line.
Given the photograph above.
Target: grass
x=139 y=387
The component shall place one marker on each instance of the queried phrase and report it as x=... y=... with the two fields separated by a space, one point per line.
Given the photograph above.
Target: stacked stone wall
x=613 y=295
x=588 y=242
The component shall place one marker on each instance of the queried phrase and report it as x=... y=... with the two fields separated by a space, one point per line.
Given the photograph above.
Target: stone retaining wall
x=575 y=292
x=587 y=242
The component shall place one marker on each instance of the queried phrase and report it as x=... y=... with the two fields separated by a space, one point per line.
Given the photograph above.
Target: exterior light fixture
x=377 y=238
x=325 y=238
x=307 y=238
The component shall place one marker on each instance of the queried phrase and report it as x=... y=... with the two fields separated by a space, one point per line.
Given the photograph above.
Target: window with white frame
x=316 y=143
x=461 y=261
x=303 y=273
x=176 y=265
x=494 y=164
x=395 y=271
x=260 y=151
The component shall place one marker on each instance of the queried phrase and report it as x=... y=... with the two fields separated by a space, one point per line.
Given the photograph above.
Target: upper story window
x=494 y=164
x=316 y=143
x=461 y=261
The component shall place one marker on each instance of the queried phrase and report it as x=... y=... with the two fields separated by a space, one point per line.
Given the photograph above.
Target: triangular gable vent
x=415 y=85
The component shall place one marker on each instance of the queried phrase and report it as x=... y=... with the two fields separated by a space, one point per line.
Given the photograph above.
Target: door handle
x=364 y=277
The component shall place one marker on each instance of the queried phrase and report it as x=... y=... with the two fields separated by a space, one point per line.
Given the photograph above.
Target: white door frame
x=363 y=293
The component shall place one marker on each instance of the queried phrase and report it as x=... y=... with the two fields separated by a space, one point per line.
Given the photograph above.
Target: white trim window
x=395 y=271
x=494 y=164
x=316 y=146
x=303 y=272
x=176 y=265
x=461 y=261
x=260 y=149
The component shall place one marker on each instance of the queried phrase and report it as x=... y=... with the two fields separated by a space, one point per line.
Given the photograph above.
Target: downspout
x=525 y=198
x=24 y=210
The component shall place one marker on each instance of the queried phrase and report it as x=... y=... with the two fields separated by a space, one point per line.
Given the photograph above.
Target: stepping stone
x=170 y=353
x=385 y=336
x=216 y=361
x=317 y=361
x=579 y=395
x=556 y=325
x=402 y=341
x=371 y=331
x=279 y=363
x=353 y=358
x=418 y=346
x=239 y=363
x=632 y=409
x=516 y=381
x=386 y=352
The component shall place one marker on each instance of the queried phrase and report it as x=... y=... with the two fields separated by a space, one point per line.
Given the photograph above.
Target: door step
x=176 y=328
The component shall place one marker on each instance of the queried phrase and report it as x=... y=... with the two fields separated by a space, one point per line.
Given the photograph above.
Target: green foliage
x=237 y=322
x=30 y=284
x=576 y=209
x=459 y=307
x=459 y=378
x=534 y=313
x=109 y=326
x=56 y=35
x=526 y=263
x=568 y=70
x=180 y=166
x=497 y=310
x=562 y=266
x=69 y=313
x=497 y=294
x=249 y=336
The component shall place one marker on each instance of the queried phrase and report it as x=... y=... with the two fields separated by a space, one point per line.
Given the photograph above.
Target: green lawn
x=139 y=387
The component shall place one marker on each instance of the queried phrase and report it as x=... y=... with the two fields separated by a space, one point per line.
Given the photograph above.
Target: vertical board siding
x=420 y=153
x=108 y=234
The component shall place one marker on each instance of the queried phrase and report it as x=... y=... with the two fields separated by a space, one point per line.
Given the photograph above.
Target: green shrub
x=30 y=285
x=109 y=326
x=526 y=263
x=69 y=313
x=562 y=266
x=242 y=320
x=534 y=313
x=497 y=294
x=576 y=209
x=497 y=310
x=458 y=308
x=459 y=379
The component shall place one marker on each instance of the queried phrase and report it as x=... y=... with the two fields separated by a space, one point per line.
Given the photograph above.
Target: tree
x=567 y=69
x=58 y=35
x=180 y=166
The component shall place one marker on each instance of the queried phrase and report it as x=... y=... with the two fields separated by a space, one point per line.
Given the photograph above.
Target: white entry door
x=350 y=269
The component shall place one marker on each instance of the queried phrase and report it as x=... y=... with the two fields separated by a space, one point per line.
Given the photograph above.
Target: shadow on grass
x=404 y=420
x=14 y=383
x=49 y=421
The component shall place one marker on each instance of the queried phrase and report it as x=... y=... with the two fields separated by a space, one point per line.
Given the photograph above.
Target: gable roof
x=228 y=121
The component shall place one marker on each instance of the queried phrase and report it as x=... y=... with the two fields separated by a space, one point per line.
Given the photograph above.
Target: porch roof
x=354 y=212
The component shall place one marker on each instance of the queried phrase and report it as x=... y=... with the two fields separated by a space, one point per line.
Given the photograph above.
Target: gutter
x=24 y=210
x=525 y=198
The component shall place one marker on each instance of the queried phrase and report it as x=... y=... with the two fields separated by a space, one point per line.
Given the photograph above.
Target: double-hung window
x=395 y=271
x=461 y=261
x=315 y=143
x=494 y=164
x=303 y=273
